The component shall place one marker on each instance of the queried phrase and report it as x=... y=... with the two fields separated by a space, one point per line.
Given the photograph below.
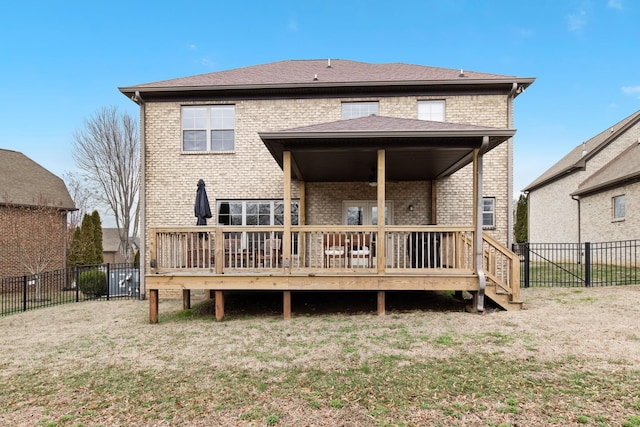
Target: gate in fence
x=579 y=264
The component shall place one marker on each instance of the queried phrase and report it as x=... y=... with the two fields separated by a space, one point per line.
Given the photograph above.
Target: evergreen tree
x=85 y=246
x=97 y=238
x=522 y=219
x=73 y=255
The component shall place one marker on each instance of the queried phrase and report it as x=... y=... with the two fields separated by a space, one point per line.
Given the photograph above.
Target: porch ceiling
x=346 y=150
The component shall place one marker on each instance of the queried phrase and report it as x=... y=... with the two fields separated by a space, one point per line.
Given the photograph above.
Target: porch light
x=373 y=181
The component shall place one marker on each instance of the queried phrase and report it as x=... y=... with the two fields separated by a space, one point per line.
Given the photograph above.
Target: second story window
x=352 y=110
x=208 y=128
x=431 y=110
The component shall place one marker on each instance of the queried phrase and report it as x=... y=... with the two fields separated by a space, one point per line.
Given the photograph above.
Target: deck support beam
x=153 y=306
x=382 y=303
x=186 y=299
x=286 y=305
x=219 y=305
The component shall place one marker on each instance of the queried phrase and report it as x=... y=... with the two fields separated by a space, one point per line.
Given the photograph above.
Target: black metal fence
x=579 y=264
x=50 y=288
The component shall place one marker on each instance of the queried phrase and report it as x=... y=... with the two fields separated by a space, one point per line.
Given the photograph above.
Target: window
x=618 y=207
x=208 y=128
x=352 y=110
x=431 y=110
x=488 y=212
x=255 y=212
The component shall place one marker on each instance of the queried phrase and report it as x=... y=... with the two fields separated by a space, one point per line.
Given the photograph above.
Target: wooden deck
x=326 y=258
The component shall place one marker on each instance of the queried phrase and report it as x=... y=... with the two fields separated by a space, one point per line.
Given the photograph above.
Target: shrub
x=93 y=283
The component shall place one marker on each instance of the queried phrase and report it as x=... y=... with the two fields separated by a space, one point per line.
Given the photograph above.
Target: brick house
x=112 y=248
x=592 y=193
x=33 y=216
x=398 y=176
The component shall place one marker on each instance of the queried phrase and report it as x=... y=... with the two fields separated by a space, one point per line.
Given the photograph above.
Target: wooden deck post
x=382 y=303
x=186 y=299
x=286 y=237
x=381 y=240
x=219 y=305
x=153 y=306
x=286 y=305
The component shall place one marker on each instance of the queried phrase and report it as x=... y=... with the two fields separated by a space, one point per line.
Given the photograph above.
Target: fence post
x=76 y=273
x=587 y=264
x=24 y=293
x=108 y=280
x=527 y=262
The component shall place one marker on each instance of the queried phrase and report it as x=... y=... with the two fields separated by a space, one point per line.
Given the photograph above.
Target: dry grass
x=572 y=357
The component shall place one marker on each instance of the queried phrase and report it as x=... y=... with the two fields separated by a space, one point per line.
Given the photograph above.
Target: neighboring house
x=112 y=247
x=591 y=194
x=33 y=216
x=381 y=164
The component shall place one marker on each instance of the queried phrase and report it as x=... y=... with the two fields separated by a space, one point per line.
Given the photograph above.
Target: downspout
x=141 y=198
x=510 y=153
x=482 y=279
x=577 y=199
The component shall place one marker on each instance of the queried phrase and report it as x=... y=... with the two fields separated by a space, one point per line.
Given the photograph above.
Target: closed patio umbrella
x=202 y=210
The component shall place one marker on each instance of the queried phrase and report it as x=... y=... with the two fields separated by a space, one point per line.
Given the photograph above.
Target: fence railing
x=22 y=293
x=579 y=264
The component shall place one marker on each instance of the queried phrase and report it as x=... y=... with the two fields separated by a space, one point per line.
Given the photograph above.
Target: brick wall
x=598 y=224
x=19 y=234
x=553 y=214
x=251 y=172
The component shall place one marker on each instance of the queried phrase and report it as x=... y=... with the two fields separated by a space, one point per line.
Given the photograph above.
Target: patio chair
x=233 y=253
x=360 y=250
x=271 y=254
x=335 y=250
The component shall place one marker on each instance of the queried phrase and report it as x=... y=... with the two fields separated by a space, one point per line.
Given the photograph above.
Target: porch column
x=286 y=237
x=477 y=220
x=381 y=241
x=302 y=220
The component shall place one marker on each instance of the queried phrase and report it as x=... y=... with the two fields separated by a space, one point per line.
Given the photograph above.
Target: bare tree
x=107 y=151
x=81 y=195
x=37 y=237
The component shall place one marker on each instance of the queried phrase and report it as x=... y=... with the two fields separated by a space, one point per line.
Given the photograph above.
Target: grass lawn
x=572 y=357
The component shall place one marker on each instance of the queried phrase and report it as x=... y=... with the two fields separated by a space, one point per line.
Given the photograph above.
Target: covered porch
x=377 y=257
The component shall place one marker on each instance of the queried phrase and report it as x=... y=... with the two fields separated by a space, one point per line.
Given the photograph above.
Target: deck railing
x=314 y=249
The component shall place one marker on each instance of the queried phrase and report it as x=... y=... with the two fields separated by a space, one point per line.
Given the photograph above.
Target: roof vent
x=584 y=149
x=461 y=73
x=315 y=77
x=329 y=63
x=611 y=131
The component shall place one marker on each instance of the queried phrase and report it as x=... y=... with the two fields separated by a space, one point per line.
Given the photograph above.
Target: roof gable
x=623 y=168
x=577 y=158
x=24 y=182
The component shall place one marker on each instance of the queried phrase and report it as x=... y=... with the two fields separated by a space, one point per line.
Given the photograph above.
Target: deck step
x=501 y=298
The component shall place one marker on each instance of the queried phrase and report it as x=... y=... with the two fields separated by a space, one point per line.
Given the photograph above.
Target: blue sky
x=63 y=61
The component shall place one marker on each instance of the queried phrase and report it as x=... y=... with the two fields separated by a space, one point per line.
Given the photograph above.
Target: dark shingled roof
x=388 y=124
x=577 y=158
x=623 y=168
x=310 y=73
x=26 y=183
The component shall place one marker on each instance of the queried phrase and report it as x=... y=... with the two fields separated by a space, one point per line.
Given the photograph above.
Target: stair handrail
x=512 y=286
